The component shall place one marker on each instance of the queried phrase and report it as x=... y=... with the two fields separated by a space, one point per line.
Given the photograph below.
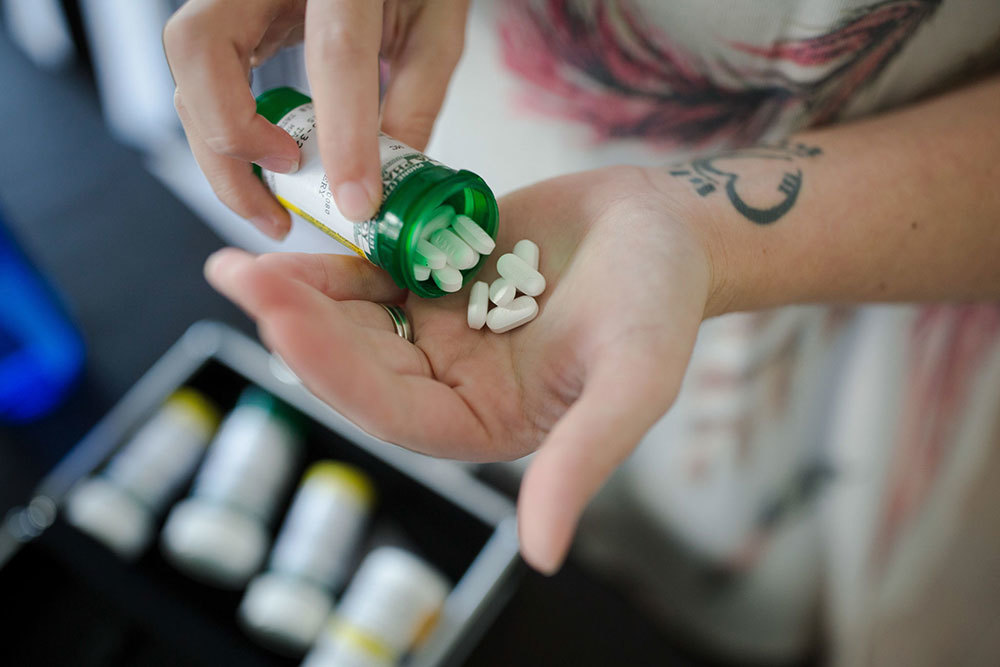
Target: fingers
x=236 y=185
x=340 y=277
x=623 y=397
x=342 y=44
x=208 y=44
x=421 y=71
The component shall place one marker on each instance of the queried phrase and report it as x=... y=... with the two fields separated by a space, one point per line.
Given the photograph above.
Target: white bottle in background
x=287 y=605
x=219 y=534
x=119 y=505
x=390 y=607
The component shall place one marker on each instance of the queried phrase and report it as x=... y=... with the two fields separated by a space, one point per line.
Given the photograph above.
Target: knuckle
x=179 y=35
x=226 y=141
x=416 y=125
x=335 y=42
x=233 y=197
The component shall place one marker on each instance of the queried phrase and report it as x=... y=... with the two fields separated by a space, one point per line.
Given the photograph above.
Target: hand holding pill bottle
x=431 y=217
x=212 y=45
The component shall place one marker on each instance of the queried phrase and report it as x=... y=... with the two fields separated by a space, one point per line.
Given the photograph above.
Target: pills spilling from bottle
x=518 y=273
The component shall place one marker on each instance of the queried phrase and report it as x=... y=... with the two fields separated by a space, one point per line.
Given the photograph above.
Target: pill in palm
x=478 y=304
x=520 y=311
x=430 y=256
x=528 y=251
x=442 y=219
x=502 y=292
x=518 y=272
x=448 y=278
x=421 y=272
x=474 y=235
x=460 y=255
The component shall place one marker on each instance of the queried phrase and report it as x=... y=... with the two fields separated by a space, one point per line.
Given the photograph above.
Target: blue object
x=41 y=352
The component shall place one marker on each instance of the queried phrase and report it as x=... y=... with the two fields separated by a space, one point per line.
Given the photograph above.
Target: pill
x=421 y=272
x=478 y=304
x=524 y=278
x=474 y=235
x=448 y=278
x=502 y=292
x=442 y=219
x=460 y=255
x=430 y=256
x=520 y=311
x=528 y=251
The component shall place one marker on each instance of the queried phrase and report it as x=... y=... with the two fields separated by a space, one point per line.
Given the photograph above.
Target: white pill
x=502 y=292
x=520 y=311
x=473 y=234
x=442 y=219
x=478 y=304
x=449 y=278
x=460 y=255
x=421 y=273
x=430 y=256
x=528 y=251
x=517 y=271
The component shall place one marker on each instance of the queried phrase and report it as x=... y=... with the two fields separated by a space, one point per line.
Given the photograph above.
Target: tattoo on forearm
x=708 y=175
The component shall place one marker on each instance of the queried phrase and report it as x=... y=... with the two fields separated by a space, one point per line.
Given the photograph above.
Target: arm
x=900 y=207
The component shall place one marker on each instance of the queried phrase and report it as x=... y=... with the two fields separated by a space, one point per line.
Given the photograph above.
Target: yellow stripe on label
x=343 y=476
x=345 y=632
x=199 y=407
x=319 y=225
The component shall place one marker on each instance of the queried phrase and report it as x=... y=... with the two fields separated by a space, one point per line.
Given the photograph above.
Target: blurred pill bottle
x=119 y=506
x=285 y=607
x=219 y=534
x=391 y=605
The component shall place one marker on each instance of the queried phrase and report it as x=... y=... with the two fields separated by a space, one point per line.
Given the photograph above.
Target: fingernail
x=279 y=165
x=219 y=263
x=273 y=228
x=354 y=201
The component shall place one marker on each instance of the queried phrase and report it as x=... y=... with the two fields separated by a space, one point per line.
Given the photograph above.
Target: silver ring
x=399 y=320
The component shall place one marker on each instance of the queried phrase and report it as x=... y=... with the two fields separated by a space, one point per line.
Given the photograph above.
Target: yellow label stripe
x=319 y=225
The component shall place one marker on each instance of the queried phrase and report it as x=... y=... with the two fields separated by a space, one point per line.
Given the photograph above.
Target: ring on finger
x=399 y=320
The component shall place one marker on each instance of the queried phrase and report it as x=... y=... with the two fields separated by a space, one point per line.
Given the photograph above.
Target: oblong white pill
x=430 y=256
x=520 y=311
x=442 y=219
x=460 y=254
x=421 y=272
x=517 y=271
x=449 y=278
x=528 y=251
x=473 y=234
x=502 y=292
x=478 y=305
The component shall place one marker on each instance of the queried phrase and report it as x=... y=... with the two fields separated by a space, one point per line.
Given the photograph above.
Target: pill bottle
x=119 y=505
x=414 y=188
x=219 y=533
x=286 y=606
x=391 y=605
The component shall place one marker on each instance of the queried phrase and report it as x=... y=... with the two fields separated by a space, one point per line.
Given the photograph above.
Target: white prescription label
x=307 y=192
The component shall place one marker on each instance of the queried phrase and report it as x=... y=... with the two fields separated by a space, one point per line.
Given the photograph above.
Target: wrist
x=700 y=218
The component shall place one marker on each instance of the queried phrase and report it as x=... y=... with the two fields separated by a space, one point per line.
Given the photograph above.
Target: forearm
x=900 y=207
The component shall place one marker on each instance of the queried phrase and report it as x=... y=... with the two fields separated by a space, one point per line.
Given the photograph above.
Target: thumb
x=623 y=396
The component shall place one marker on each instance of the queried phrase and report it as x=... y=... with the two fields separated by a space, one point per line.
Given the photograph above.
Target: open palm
x=626 y=289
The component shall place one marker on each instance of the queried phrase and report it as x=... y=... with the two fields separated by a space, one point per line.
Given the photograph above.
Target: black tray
x=72 y=601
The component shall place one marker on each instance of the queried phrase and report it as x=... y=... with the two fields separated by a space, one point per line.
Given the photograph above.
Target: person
x=824 y=153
